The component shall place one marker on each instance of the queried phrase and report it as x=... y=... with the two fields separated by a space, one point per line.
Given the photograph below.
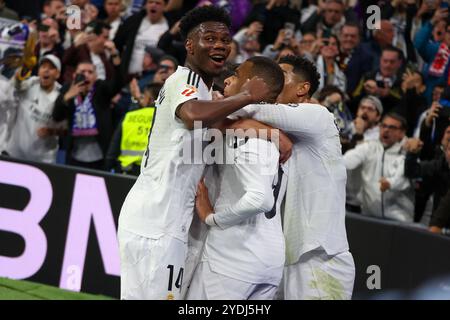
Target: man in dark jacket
x=94 y=48
x=353 y=60
x=139 y=31
x=435 y=173
x=385 y=82
x=441 y=217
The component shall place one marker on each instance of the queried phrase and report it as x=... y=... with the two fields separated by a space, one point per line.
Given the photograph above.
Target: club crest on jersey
x=189 y=91
x=170 y=296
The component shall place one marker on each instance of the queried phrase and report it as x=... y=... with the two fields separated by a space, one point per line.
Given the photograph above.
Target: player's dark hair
x=305 y=70
x=199 y=15
x=270 y=71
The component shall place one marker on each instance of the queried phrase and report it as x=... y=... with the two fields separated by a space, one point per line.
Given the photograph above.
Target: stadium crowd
x=86 y=96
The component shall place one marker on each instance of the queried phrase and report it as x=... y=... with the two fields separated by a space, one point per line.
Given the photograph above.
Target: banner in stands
x=13 y=35
x=58 y=226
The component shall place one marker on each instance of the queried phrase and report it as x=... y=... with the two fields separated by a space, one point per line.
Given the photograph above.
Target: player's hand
x=202 y=204
x=216 y=95
x=384 y=184
x=257 y=89
x=286 y=146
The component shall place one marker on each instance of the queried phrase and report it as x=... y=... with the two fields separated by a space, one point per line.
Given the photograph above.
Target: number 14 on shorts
x=178 y=281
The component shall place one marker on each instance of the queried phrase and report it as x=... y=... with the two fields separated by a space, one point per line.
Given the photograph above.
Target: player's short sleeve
x=182 y=88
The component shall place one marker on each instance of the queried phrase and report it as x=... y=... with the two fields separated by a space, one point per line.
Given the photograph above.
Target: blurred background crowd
x=85 y=96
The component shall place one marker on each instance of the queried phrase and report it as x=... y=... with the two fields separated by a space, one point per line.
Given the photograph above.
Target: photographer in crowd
x=86 y=104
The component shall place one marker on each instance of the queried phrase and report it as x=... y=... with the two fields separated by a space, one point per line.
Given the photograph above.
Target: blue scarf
x=84 y=120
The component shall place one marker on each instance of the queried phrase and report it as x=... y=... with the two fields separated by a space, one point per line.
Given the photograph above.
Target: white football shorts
x=151 y=269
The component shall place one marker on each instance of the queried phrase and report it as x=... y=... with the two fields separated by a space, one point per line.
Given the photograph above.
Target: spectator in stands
x=86 y=104
x=435 y=173
x=353 y=59
x=141 y=30
x=328 y=22
x=113 y=10
x=401 y=15
x=52 y=8
x=238 y=10
x=235 y=53
x=49 y=40
x=434 y=134
x=89 y=12
x=273 y=15
x=7 y=13
x=248 y=40
x=35 y=135
x=435 y=54
x=434 y=126
x=308 y=46
x=385 y=82
x=385 y=191
x=327 y=66
x=435 y=97
x=150 y=65
x=382 y=38
x=363 y=128
x=152 y=57
x=93 y=45
x=133 y=6
x=130 y=139
x=166 y=67
x=283 y=40
x=365 y=125
x=440 y=219
x=172 y=43
x=413 y=103
x=334 y=99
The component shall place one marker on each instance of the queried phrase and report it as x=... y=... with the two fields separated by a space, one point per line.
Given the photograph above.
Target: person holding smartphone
x=86 y=104
x=166 y=67
x=384 y=82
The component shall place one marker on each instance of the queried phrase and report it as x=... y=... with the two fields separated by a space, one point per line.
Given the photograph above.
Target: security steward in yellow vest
x=131 y=137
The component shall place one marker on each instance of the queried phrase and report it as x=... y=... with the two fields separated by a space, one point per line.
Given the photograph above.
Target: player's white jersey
x=162 y=199
x=248 y=244
x=314 y=210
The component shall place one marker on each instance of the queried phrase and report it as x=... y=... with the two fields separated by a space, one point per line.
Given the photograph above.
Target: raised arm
x=210 y=112
x=257 y=184
x=265 y=132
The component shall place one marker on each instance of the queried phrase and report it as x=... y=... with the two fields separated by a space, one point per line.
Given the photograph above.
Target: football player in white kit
x=243 y=255
x=157 y=213
x=318 y=262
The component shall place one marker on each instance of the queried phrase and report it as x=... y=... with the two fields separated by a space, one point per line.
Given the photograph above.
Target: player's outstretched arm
x=256 y=174
x=264 y=131
x=210 y=112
